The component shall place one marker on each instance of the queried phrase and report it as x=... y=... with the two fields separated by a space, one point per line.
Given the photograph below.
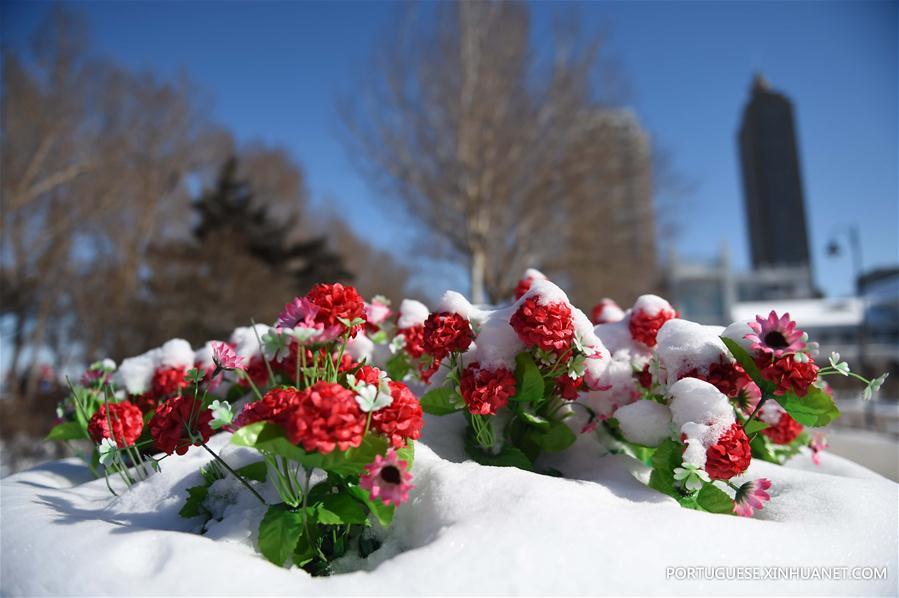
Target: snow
x=546 y=293
x=246 y=340
x=412 y=313
x=534 y=274
x=136 y=373
x=620 y=389
x=497 y=343
x=467 y=530
x=616 y=336
x=651 y=305
x=702 y=413
x=645 y=422
x=737 y=332
x=176 y=353
x=683 y=346
x=610 y=311
x=361 y=348
x=456 y=303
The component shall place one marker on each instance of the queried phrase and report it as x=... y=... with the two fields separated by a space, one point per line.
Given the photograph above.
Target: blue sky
x=273 y=68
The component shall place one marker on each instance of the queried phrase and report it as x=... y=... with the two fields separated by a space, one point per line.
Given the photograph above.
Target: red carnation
x=336 y=301
x=791 y=375
x=168 y=381
x=523 y=286
x=727 y=377
x=169 y=427
x=549 y=326
x=644 y=377
x=400 y=421
x=127 y=423
x=486 y=391
x=326 y=417
x=730 y=456
x=785 y=431
x=446 y=333
x=271 y=408
x=568 y=387
x=645 y=327
x=415 y=340
x=257 y=371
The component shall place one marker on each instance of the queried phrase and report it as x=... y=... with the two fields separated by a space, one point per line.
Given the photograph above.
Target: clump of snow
x=136 y=373
x=456 y=303
x=360 y=348
x=737 y=332
x=701 y=413
x=616 y=336
x=583 y=328
x=246 y=340
x=176 y=353
x=651 y=305
x=534 y=274
x=618 y=388
x=497 y=343
x=412 y=313
x=546 y=293
x=645 y=422
x=683 y=346
x=596 y=367
x=608 y=311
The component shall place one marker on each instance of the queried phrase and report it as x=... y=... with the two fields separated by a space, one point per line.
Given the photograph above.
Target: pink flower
x=776 y=336
x=818 y=445
x=387 y=478
x=590 y=426
x=300 y=314
x=224 y=356
x=751 y=497
x=377 y=311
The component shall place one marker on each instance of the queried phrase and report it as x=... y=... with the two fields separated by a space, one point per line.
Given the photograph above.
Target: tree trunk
x=478 y=268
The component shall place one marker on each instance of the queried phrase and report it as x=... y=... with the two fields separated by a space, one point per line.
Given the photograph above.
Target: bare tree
x=493 y=153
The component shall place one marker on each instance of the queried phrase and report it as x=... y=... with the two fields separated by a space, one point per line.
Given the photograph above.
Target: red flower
x=271 y=408
x=326 y=417
x=645 y=327
x=644 y=377
x=730 y=456
x=146 y=402
x=337 y=301
x=785 y=431
x=127 y=423
x=727 y=377
x=568 y=387
x=791 y=375
x=415 y=340
x=400 y=421
x=549 y=326
x=257 y=371
x=369 y=374
x=169 y=427
x=446 y=333
x=523 y=286
x=486 y=391
x=168 y=381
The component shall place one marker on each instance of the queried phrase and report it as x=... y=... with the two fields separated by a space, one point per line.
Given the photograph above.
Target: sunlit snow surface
x=467 y=529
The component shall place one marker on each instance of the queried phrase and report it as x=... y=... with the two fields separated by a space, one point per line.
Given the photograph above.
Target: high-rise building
x=772 y=181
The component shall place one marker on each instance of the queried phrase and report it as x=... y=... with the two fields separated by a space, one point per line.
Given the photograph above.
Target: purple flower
x=776 y=336
x=387 y=478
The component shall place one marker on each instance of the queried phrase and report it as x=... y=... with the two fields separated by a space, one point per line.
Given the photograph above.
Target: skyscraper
x=772 y=182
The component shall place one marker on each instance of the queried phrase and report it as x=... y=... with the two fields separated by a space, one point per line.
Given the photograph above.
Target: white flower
x=692 y=477
x=108 y=450
x=222 y=415
x=273 y=344
x=874 y=385
x=577 y=367
x=841 y=366
x=397 y=344
x=372 y=398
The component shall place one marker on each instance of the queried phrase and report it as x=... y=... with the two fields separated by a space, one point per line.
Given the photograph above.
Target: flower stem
x=234 y=473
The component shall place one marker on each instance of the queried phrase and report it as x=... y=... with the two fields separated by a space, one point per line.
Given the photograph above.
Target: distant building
x=772 y=181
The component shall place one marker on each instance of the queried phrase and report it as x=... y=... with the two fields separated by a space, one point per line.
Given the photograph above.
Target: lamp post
x=833 y=250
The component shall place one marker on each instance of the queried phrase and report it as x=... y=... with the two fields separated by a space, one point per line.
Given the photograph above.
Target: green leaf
x=279 y=532
x=407 y=454
x=714 y=500
x=754 y=426
x=760 y=450
x=528 y=379
x=382 y=512
x=269 y=438
x=254 y=471
x=748 y=364
x=193 y=507
x=558 y=438
x=336 y=509
x=398 y=366
x=535 y=420
x=67 y=431
x=667 y=457
x=441 y=401
x=509 y=456
x=815 y=409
